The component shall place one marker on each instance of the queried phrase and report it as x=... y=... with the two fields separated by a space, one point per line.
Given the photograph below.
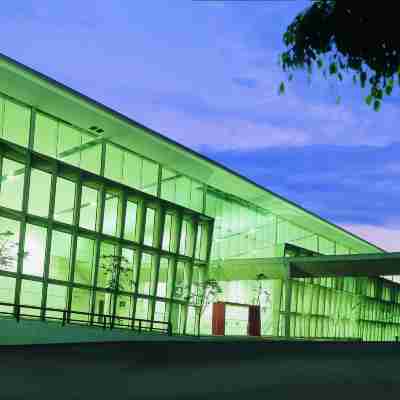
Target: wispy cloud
x=245 y=82
x=385 y=237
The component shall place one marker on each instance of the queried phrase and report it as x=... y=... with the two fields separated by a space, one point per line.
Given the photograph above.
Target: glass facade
x=102 y=230
x=73 y=218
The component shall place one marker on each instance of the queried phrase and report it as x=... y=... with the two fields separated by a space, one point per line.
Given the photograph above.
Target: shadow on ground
x=234 y=370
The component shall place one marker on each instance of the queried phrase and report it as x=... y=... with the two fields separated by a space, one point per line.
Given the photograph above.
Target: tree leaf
x=281 y=88
x=333 y=68
x=368 y=100
x=377 y=105
x=363 y=78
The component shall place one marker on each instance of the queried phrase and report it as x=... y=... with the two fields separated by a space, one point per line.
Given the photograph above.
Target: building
x=111 y=218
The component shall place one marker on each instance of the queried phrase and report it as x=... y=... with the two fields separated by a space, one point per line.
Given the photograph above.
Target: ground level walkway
x=202 y=370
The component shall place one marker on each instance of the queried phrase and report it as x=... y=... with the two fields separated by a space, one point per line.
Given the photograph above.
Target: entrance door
x=236 y=320
x=218 y=319
x=254 y=324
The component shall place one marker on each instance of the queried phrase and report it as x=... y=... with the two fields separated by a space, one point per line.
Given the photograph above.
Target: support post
x=288 y=301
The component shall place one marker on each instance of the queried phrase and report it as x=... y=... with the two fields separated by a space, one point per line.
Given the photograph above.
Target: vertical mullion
x=176 y=228
x=288 y=296
x=2 y=110
x=25 y=200
x=75 y=229
x=204 y=205
x=122 y=203
x=139 y=236
x=159 y=233
x=99 y=229
x=103 y=158
x=49 y=237
x=1 y=167
x=159 y=181
x=32 y=129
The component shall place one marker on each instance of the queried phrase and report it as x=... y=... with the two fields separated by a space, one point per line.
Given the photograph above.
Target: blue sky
x=205 y=73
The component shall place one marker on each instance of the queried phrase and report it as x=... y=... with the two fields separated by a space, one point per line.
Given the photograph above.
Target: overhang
x=360 y=265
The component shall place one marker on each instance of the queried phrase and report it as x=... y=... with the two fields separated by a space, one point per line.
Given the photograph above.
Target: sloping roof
x=52 y=97
x=372 y=265
x=385 y=264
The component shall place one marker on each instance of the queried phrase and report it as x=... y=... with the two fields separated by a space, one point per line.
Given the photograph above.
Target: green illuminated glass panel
x=39 y=193
x=81 y=301
x=130 y=221
x=164 y=277
x=191 y=327
x=35 y=246
x=60 y=256
x=111 y=214
x=123 y=309
x=160 y=312
x=90 y=155
x=181 y=281
x=196 y=284
x=177 y=318
x=16 y=121
x=84 y=263
x=89 y=203
x=168 y=185
x=211 y=204
x=65 y=199
x=127 y=276
x=326 y=246
x=288 y=232
x=2 y=101
x=9 y=239
x=103 y=306
x=187 y=231
x=56 y=298
x=46 y=135
x=11 y=184
x=149 y=177
x=341 y=250
x=114 y=163
x=108 y=267
x=310 y=243
x=69 y=144
x=132 y=172
x=146 y=273
x=31 y=295
x=7 y=292
x=167 y=234
x=200 y=239
x=142 y=309
x=183 y=189
x=196 y=196
x=149 y=227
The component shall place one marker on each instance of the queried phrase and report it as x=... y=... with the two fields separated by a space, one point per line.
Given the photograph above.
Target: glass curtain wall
x=80 y=237
x=319 y=307
x=68 y=221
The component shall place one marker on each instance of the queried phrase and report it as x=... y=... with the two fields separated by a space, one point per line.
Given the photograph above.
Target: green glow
x=161 y=221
